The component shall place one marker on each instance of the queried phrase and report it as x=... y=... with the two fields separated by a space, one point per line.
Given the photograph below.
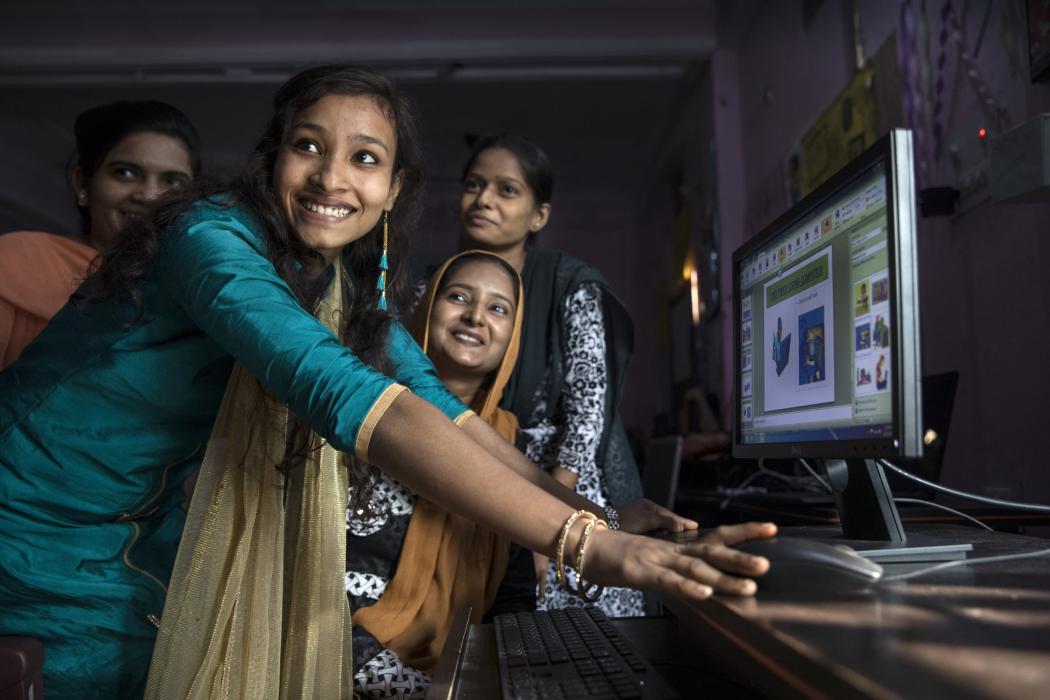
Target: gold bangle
x=579 y=589
x=583 y=589
x=559 y=560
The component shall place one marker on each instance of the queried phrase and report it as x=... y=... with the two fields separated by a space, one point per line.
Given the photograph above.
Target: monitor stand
x=871 y=524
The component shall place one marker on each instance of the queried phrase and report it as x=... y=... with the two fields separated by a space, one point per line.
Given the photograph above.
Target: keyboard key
x=537 y=657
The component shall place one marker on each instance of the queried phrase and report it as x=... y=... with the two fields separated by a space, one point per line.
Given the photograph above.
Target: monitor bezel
x=895 y=149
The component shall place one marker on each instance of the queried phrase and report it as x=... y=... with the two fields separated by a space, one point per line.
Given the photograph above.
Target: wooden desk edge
x=446 y=672
x=791 y=668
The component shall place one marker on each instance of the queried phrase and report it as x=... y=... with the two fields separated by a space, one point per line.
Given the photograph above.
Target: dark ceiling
x=596 y=83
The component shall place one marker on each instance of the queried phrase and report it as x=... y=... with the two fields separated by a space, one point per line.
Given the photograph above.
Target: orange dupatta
x=447 y=562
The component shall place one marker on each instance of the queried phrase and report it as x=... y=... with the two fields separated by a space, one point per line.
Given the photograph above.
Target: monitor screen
x=826 y=318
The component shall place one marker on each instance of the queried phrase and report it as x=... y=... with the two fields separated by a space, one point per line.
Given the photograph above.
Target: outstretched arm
x=213 y=272
x=639 y=517
x=415 y=371
x=421 y=448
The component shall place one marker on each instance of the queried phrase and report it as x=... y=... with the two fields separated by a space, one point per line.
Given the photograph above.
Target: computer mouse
x=797 y=564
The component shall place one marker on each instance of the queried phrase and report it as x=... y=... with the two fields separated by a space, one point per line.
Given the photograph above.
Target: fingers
x=670 y=581
x=693 y=571
x=727 y=559
x=670 y=520
x=696 y=577
x=541 y=564
x=721 y=581
x=734 y=534
x=643 y=516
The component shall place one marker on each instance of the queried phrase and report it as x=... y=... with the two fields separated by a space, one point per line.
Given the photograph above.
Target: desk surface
x=972 y=632
x=979 y=631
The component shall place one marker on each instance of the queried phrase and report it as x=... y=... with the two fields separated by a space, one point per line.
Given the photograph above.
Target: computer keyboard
x=572 y=653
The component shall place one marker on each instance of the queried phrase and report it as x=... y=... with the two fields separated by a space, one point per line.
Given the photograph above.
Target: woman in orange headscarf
x=406 y=579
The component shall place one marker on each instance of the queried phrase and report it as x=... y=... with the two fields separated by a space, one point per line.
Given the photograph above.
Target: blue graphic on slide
x=781 y=348
x=811 y=347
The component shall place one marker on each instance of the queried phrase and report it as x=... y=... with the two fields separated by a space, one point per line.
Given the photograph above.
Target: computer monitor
x=826 y=326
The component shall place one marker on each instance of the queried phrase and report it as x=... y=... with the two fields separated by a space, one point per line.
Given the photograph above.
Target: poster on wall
x=841 y=133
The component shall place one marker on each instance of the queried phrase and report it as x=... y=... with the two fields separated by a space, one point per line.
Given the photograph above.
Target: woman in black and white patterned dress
x=576 y=342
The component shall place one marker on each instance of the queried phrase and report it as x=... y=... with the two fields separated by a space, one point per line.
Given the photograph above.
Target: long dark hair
x=99 y=129
x=365 y=327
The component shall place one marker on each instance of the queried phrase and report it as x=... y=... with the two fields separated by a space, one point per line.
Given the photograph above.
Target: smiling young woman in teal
x=107 y=413
x=102 y=422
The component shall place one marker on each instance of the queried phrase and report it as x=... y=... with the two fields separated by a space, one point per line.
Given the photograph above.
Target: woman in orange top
x=127 y=154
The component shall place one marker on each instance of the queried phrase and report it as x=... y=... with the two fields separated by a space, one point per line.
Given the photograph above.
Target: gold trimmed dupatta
x=257 y=604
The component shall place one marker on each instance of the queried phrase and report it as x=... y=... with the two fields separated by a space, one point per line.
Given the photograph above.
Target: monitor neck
x=865 y=503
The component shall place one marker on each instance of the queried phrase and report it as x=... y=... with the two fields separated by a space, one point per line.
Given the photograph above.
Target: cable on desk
x=762 y=471
x=965 y=562
x=795 y=482
x=946 y=508
x=791 y=481
x=818 y=477
x=959 y=513
x=962 y=494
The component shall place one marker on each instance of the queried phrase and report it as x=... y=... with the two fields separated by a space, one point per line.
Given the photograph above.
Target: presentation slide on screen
x=871 y=335
x=798 y=348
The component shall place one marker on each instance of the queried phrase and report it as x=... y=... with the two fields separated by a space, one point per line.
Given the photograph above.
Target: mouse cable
x=944 y=508
x=942 y=489
x=953 y=511
x=818 y=477
x=794 y=482
x=962 y=494
x=763 y=471
x=964 y=562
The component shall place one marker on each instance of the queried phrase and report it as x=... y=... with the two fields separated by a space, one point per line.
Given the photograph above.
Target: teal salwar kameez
x=101 y=422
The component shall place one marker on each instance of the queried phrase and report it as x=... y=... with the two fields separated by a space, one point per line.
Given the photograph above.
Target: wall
x=983 y=281
x=724 y=141
x=601 y=134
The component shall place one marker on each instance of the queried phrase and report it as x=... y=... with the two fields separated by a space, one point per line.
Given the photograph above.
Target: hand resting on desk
x=639 y=517
x=691 y=570
x=643 y=516
x=463 y=475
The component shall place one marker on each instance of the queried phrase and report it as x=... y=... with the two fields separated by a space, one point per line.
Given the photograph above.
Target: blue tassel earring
x=383 y=264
